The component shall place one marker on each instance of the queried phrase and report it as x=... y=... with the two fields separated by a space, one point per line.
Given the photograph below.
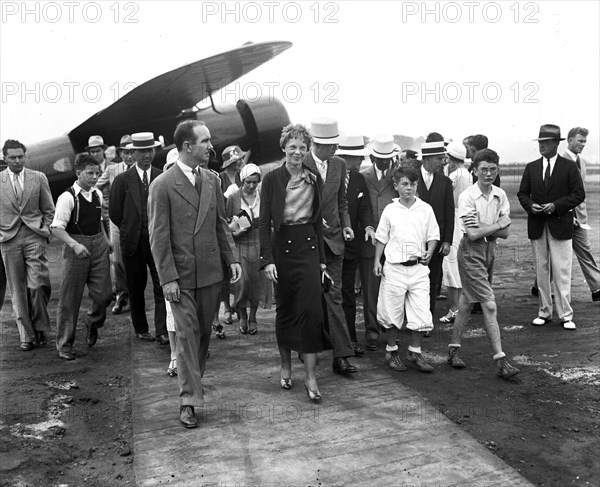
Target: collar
x=572 y=155
x=187 y=170
x=142 y=171
x=78 y=189
x=552 y=160
x=425 y=173
x=317 y=160
x=494 y=192
x=418 y=202
x=13 y=174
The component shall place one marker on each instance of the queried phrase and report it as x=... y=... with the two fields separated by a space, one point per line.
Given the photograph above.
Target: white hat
x=457 y=150
x=433 y=148
x=143 y=140
x=249 y=170
x=172 y=157
x=325 y=131
x=353 y=145
x=96 y=141
x=384 y=147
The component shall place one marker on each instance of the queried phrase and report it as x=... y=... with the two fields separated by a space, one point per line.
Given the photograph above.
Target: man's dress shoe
x=67 y=355
x=187 y=418
x=92 y=336
x=145 y=336
x=26 y=346
x=162 y=339
x=342 y=366
x=596 y=295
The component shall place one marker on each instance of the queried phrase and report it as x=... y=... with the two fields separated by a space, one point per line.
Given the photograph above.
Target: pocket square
x=360 y=195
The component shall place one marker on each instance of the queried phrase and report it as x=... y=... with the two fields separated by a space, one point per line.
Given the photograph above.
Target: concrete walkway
x=370 y=430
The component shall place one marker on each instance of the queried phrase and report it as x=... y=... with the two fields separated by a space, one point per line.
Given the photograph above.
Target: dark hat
x=232 y=154
x=549 y=132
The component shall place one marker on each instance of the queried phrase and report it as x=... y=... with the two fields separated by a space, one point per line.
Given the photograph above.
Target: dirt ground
x=69 y=423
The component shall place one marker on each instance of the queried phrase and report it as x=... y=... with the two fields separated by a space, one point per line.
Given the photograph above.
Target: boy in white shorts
x=407 y=233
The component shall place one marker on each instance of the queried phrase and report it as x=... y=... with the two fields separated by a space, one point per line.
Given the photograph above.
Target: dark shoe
x=476 y=308
x=418 y=361
x=172 y=369
x=92 y=337
x=40 y=338
x=342 y=366
x=505 y=370
x=187 y=418
x=252 y=328
x=26 y=346
x=243 y=326
x=392 y=359
x=162 y=339
x=596 y=295
x=146 y=336
x=535 y=291
x=358 y=351
x=66 y=355
x=218 y=329
x=372 y=345
x=117 y=308
x=227 y=318
x=314 y=396
x=285 y=383
x=454 y=358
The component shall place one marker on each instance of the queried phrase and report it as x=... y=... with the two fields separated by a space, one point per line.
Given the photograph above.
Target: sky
x=497 y=68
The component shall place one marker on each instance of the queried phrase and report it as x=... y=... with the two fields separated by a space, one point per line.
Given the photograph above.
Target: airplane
x=160 y=104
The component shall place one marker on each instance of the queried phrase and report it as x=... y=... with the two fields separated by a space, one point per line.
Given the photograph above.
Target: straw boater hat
x=95 y=141
x=549 y=132
x=384 y=147
x=325 y=131
x=353 y=145
x=231 y=155
x=143 y=140
x=433 y=149
x=126 y=139
x=457 y=150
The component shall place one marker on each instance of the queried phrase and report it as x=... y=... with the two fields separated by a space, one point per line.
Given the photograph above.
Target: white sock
x=499 y=355
x=455 y=345
x=391 y=349
x=414 y=349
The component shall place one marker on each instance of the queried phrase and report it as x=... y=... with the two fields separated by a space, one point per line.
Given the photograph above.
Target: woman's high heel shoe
x=314 y=396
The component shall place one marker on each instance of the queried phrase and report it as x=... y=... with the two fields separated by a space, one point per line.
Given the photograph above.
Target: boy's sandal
x=450 y=317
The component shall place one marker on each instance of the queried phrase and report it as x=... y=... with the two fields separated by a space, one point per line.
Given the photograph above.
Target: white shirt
x=406 y=231
x=545 y=163
x=187 y=171
x=321 y=166
x=379 y=173
x=66 y=203
x=141 y=173
x=473 y=201
x=427 y=177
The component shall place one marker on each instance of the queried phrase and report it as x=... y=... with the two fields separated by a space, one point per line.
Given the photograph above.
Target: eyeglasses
x=487 y=170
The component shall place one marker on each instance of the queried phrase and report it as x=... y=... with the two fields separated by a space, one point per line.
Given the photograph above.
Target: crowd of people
x=297 y=235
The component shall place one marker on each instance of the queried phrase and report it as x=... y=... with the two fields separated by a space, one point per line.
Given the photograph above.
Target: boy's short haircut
x=486 y=155
x=478 y=141
x=405 y=172
x=84 y=160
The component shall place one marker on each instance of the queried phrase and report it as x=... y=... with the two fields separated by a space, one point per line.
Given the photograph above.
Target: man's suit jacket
x=565 y=191
x=441 y=198
x=189 y=234
x=36 y=209
x=333 y=201
x=581 y=209
x=380 y=195
x=125 y=207
x=359 y=210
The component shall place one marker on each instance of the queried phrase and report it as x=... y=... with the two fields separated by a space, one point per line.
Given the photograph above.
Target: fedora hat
x=325 y=131
x=433 y=149
x=95 y=141
x=143 y=140
x=457 y=150
x=231 y=155
x=126 y=139
x=549 y=132
x=384 y=147
x=353 y=145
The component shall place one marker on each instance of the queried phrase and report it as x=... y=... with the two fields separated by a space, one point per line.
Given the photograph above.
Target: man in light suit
x=336 y=229
x=380 y=185
x=551 y=187
x=128 y=211
x=353 y=151
x=26 y=212
x=436 y=189
x=576 y=140
x=189 y=236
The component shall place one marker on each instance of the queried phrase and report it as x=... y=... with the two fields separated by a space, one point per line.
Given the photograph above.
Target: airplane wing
x=168 y=94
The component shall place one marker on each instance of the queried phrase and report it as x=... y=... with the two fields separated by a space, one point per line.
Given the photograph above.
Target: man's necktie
x=347 y=180
x=145 y=182
x=198 y=183
x=578 y=162
x=547 y=176
x=18 y=188
x=428 y=180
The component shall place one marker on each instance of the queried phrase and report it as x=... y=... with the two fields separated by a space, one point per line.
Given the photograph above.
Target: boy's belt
x=484 y=239
x=408 y=263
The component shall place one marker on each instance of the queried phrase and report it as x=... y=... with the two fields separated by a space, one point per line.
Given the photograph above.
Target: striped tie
x=18 y=188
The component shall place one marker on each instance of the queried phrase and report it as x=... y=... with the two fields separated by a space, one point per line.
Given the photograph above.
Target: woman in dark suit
x=293 y=256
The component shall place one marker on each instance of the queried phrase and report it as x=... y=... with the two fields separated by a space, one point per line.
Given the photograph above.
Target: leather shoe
x=358 y=350
x=26 y=346
x=145 y=336
x=569 y=325
x=596 y=295
x=540 y=320
x=187 y=418
x=372 y=345
x=535 y=291
x=342 y=366
x=40 y=338
x=67 y=355
x=92 y=336
x=117 y=308
x=162 y=339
